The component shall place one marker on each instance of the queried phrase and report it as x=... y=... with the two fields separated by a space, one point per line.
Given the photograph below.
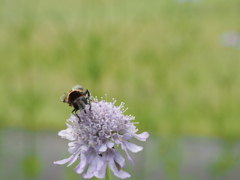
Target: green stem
x=108 y=174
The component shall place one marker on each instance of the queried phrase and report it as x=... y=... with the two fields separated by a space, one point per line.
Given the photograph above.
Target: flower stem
x=108 y=174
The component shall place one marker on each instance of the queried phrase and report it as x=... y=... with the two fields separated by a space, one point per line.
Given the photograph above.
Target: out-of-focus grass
x=162 y=58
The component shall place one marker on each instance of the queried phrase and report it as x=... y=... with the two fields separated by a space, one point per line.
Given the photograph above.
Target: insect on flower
x=77 y=98
x=94 y=138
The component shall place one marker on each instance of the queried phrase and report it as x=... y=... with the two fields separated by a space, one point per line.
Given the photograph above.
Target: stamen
x=114 y=101
x=124 y=110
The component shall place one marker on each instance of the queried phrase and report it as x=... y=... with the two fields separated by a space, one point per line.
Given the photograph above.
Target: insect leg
x=75 y=113
x=87 y=93
x=88 y=98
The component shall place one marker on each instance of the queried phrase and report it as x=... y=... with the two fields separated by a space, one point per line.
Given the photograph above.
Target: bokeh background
x=175 y=64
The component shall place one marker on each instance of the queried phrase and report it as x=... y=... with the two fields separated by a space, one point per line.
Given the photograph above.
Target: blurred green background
x=162 y=58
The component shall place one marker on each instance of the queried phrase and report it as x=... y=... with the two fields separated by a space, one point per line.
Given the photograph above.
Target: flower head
x=193 y=1
x=230 y=39
x=95 y=133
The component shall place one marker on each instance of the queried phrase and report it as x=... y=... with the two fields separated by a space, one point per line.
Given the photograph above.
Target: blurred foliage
x=31 y=166
x=162 y=58
x=228 y=160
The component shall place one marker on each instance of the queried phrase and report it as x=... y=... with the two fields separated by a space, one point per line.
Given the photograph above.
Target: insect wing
x=63 y=97
x=77 y=87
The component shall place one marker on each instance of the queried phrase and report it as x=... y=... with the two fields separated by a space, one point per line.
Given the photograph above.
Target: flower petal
x=127 y=136
x=141 y=137
x=63 y=161
x=119 y=173
x=101 y=167
x=82 y=165
x=128 y=156
x=110 y=144
x=69 y=126
x=92 y=169
x=64 y=132
x=74 y=158
x=90 y=172
x=119 y=159
x=67 y=134
x=73 y=147
x=101 y=170
x=103 y=147
x=132 y=147
x=125 y=149
x=116 y=138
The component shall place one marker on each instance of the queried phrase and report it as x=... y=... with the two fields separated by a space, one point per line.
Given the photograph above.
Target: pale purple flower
x=94 y=136
x=230 y=39
x=193 y=1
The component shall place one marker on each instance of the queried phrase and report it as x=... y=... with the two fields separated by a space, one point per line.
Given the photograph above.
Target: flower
x=95 y=133
x=230 y=39
x=183 y=1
